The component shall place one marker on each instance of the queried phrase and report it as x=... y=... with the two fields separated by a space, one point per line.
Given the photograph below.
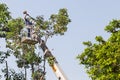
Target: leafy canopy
x=102 y=59
x=4 y=17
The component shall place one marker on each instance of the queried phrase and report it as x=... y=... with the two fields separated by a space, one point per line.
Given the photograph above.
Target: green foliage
x=3 y=56
x=60 y=21
x=38 y=75
x=113 y=26
x=21 y=63
x=42 y=24
x=51 y=60
x=4 y=17
x=4 y=14
x=56 y=25
x=32 y=58
x=15 y=26
x=2 y=34
x=102 y=59
x=99 y=39
x=12 y=75
x=17 y=76
x=87 y=43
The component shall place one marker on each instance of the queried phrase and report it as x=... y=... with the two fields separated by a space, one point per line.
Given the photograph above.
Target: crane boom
x=55 y=66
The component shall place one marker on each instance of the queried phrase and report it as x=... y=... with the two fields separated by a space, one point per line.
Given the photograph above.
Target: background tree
x=102 y=59
x=13 y=75
x=4 y=17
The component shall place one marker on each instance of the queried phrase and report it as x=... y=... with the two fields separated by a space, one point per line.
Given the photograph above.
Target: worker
x=28 y=23
x=27 y=19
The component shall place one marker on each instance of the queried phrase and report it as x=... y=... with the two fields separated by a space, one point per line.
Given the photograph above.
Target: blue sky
x=89 y=17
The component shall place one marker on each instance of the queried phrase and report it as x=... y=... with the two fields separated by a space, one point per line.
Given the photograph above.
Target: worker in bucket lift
x=28 y=23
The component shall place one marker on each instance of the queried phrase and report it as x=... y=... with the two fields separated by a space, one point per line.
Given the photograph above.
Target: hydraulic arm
x=55 y=66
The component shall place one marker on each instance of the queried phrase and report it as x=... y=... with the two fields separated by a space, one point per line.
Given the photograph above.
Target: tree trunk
x=25 y=73
x=32 y=67
x=7 y=75
x=43 y=46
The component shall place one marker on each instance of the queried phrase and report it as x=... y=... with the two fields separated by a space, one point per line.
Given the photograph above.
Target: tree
x=102 y=59
x=25 y=53
x=12 y=75
x=4 y=17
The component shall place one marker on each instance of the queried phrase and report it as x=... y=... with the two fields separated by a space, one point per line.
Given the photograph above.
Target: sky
x=89 y=18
